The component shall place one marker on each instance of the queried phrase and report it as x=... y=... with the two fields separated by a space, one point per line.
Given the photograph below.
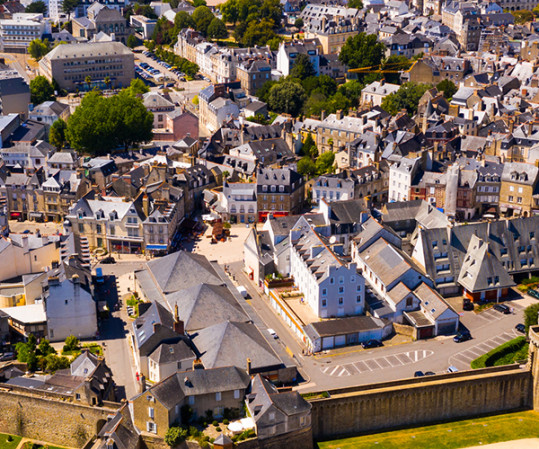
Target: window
x=272 y=416
x=341 y=279
x=324 y=303
x=341 y=289
x=77 y=396
x=353 y=279
x=236 y=394
x=191 y=400
x=341 y=301
x=218 y=396
x=510 y=199
x=150 y=412
x=324 y=291
x=151 y=427
x=358 y=298
x=81 y=227
x=358 y=288
x=331 y=281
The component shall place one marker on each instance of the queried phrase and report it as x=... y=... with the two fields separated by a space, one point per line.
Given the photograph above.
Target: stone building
x=70 y=65
x=101 y=19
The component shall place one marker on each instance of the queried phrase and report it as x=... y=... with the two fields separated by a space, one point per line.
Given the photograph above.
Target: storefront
x=125 y=246
x=157 y=250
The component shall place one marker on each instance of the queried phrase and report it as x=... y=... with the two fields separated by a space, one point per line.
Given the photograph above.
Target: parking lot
x=377 y=363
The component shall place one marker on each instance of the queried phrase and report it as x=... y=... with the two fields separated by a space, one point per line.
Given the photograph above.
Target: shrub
x=530 y=315
x=9 y=438
x=507 y=353
x=218 y=429
x=226 y=422
x=215 y=423
x=175 y=435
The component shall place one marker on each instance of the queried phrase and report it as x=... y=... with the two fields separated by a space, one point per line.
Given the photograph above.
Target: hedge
x=503 y=354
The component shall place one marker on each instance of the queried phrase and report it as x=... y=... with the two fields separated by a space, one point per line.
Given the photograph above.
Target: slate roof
x=481 y=270
x=182 y=270
x=203 y=305
x=232 y=343
x=172 y=352
x=173 y=389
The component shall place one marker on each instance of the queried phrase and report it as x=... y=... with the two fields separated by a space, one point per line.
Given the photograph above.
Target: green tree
x=536 y=11
x=144 y=10
x=52 y=363
x=31 y=363
x=303 y=67
x=100 y=124
x=407 y=97
x=57 y=134
x=258 y=33
x=37 y=7
x=71 y=343
x=217 y=29
x=107 y=81
x=162 y=32
x=69 y=5
x=38 y=48
x=323 y=84
x=395 y=63
x=306 y=167
x=324 y=163
x=175 y=435
x=299 y=23
x=522 y=16
x=183 y=20
x=362 y=50
x=132 y=41
x=287 y=97
x=309 y=148
x=41 y=90
x=358 y=4
x=202 y=17
x=263 y=92
x=197 y=3
x=352 y=90
x=137 y=87
x=45 y=348
x=274 y=43
x=447 y=87
x=530 y=315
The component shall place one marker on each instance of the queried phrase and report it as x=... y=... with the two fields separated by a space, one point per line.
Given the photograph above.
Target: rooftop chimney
x=179 y=326
x=249 y=368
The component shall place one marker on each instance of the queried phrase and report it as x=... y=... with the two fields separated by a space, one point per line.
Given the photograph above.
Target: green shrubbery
x=510 y=352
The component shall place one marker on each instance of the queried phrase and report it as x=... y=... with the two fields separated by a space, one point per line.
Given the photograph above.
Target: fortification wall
x=413 y=403
x=51 y=420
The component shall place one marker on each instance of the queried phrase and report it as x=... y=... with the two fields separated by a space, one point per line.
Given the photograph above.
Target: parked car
x=273 y=333
x=521 y=328
x=467 y=305
x=108 y=260
x=371 y=344
x=419 y=374
x=533 y=293
x=452 y=369
x=7 y=356
x=462 y=336
x=430 y=373
x=502 y=308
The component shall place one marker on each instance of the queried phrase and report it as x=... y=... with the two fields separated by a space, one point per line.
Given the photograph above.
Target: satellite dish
x=332 y=239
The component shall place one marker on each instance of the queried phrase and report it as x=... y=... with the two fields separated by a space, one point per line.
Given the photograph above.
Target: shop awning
x=156 y=247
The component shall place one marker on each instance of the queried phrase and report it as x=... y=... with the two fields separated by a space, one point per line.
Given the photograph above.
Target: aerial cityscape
x=265 y=224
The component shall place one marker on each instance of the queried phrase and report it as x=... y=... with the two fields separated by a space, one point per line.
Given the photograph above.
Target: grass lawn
x=5 y=444
x=455 y=435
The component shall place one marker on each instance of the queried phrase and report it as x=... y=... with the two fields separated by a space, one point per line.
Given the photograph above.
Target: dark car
x=502 y=308
x=430 y=373
x=520 y=327
x=7 y=356
x=108 y=260
x=419 y=374
x=462 y=336
x=467 y=305
x=371 y=344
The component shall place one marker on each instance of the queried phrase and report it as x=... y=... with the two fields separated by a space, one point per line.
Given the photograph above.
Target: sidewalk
x=528 y=443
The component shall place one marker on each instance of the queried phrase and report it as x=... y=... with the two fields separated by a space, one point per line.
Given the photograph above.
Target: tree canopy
x=203 y=18
x=287 y=97
x=522 y=16
x=358 y=4
x=57 y=134
x=101 y=124
x=530 y=315
x=362 y=50
x=41 y=90
x=303 y=68
x=447 y=87
x=183 y=20
x=217 y=29
x=163 y=32
x=407 y=97
x=144 y=10
x=69 y=5
x=36 y=7
x=39 y=48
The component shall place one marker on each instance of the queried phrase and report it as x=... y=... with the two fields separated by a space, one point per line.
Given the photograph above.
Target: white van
x=452 y=369
x=242 y=290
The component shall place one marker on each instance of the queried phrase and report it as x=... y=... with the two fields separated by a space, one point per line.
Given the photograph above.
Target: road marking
x=377 y=363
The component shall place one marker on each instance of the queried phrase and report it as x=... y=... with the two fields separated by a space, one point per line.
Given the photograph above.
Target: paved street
x=355 y=366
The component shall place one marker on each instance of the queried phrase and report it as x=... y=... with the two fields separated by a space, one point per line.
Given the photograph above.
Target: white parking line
x=334 y=370
x=343 y=372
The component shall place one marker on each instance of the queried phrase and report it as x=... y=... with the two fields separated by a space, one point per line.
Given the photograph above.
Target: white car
x=273 y=333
